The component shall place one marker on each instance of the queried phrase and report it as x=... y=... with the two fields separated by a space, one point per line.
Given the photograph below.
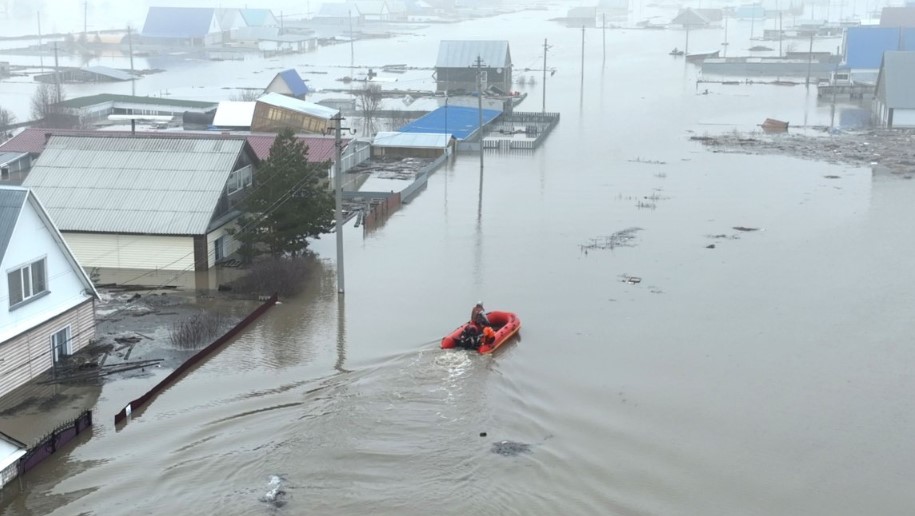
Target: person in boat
x=478 y=330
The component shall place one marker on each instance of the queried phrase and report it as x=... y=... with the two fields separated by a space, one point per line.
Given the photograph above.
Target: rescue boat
x=504 y=325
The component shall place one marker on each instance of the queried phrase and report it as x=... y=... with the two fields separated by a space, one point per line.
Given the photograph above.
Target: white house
x=48 y=307
x=894 y=100
x=145 y=202
x=11 y=451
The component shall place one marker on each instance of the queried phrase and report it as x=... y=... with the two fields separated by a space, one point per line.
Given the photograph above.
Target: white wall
x=231 y=245
x=903 y=117
x=132 y=251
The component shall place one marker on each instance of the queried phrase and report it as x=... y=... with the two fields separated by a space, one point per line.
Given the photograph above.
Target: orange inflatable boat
x=503 y=325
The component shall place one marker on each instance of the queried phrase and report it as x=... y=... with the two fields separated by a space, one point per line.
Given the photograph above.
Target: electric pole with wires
x=478 y=63
x=337 y=121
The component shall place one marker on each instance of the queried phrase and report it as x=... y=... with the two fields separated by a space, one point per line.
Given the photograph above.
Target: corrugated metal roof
x=178 y=22
x=108 y=72
x=160 y=186
x=897 y=76
x=300 y=106
x=463 y=54
x=9 y=157
x=11 y=201
x=864 y=46
x=102 y=98
x=234 y=114
x=411 y=140
x=457 y=120
x=294 y=82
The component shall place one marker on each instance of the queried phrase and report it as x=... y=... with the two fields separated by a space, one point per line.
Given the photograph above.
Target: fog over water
x=747 y=372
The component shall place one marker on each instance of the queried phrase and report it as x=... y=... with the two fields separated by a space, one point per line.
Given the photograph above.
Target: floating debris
x=632 y=280
x=510 y=448
x=744 y=228
x=647 y=161
x=624 y=238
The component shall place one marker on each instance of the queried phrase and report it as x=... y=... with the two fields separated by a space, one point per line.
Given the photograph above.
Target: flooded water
x=768 y=374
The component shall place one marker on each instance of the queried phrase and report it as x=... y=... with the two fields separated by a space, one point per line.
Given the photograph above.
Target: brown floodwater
x=749 y=372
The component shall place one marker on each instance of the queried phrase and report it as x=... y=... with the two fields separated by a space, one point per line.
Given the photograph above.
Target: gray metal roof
x=109 y=72
x=159 y=186
x=11 y=201
x=463 y=54
x=9 y=157
x=897 y=76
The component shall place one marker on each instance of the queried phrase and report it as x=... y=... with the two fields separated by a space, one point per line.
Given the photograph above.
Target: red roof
x=33 y=140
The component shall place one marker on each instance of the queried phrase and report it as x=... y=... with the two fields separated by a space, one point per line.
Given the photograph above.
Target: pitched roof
x=457 y=120
x=105 y=71
x=898 y=16
x=9 y=157
x=896 y=81
x=178 y=22
x=411 y=140
x=294 y=82
x=159 y=186
x=34 y=139
x=690 y=17
x=865 y=45
x=101 y=98
x=462 y=54
x=11 y=202
x=299 y=106
x=257 y=17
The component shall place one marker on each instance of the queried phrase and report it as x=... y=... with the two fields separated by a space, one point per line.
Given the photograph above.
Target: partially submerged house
x=14 y=166
x=86 y=74
x=389 y=144
x=83 y=111
x=289 y=83
x=894 y=101
x=274 y=112
x=48 y=309
x=373 y=10
x=145 y=202
x=456 y=67
x=690 y=18
x=182 y=26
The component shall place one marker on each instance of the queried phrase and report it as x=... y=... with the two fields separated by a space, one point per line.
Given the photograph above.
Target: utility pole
x=809 y=59
x=582 y=64
x=835 y=75
x=338 y=196
x=479 y=65
x=352 y=51
x=603 y=23
x=56 y=73
x=545 y=48
x=40 y=44
x=725 y=35
x=779 y=34
x=133 y=78
x=686 y=50
x=86 y=19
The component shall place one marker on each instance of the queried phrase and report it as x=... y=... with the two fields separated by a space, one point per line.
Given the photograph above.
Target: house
x=86 y=74
x=48 y=307
x=864 y=47
x=373 y=10
x=340 y=16
x=14 y=166
x=582 y=16
x=289 y=83
x=898 y=16
x=410 y=145
x=894 y=101
x=455 y=68
x=287 y=43
x=461 y=121
x=274 y=112
x=182 y=26
x=11 y=451
x=84 y=111
x=259 y=18
x=691 y=18
x=145 y=202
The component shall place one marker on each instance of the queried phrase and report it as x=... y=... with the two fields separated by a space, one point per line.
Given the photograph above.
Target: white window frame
x=60 y=350
x=27 y=289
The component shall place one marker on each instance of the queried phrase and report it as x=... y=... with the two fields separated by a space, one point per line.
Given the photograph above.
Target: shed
x=234 y=115
x=462 y=122
x=455 y=68
x=894 y=100
x=415 y=145
x=274 y=112
x=14 y=166
x=145 y=202
x=288 y=82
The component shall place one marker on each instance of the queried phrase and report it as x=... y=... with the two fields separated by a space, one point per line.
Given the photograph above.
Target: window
x=61 y=345
x=4 y=173
x=27 y=282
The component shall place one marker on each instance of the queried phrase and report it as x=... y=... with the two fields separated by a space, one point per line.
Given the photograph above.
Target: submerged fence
x=194 y=360
x=52 y=442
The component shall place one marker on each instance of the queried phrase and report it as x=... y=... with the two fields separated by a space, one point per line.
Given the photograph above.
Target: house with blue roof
x=865 y=46
x=289 y=83
x=182 y=26
x=461 y=121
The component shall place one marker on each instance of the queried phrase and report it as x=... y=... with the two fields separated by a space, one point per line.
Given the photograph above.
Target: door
x=60 y=344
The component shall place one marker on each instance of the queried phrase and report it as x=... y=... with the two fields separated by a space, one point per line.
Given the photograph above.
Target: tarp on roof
x=864 y=46
x=896 y=82
x=457 y=120
x=153 y=186
x=462 y=54
x=178 y=22
x=300 y=106
x=232 y=113
x=401 y=140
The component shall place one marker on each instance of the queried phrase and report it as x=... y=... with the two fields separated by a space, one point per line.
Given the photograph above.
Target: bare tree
x=6 y=120
x=246 y=95
x=370 y=99
x=44 y=99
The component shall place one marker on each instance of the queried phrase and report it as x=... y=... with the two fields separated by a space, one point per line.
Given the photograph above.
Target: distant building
x=898 y=16
x=145 y=202
x=697 y=18
x=182 y=26
x=4 y=69
x=455 y=68
x=259 y=18
x=750 y=11
x=582 y=16
x=339 y=16
x=289 y=83
x=864 y=47
x=86 y=74
x=87 y=110
x=274 y=112
x=49 y=301
x=894 y=101
x=373 y=10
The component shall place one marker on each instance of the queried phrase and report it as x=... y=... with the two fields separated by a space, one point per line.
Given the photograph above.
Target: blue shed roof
x=864 y=46
x=294 y=82
x=457 y=120
x=178 y=22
